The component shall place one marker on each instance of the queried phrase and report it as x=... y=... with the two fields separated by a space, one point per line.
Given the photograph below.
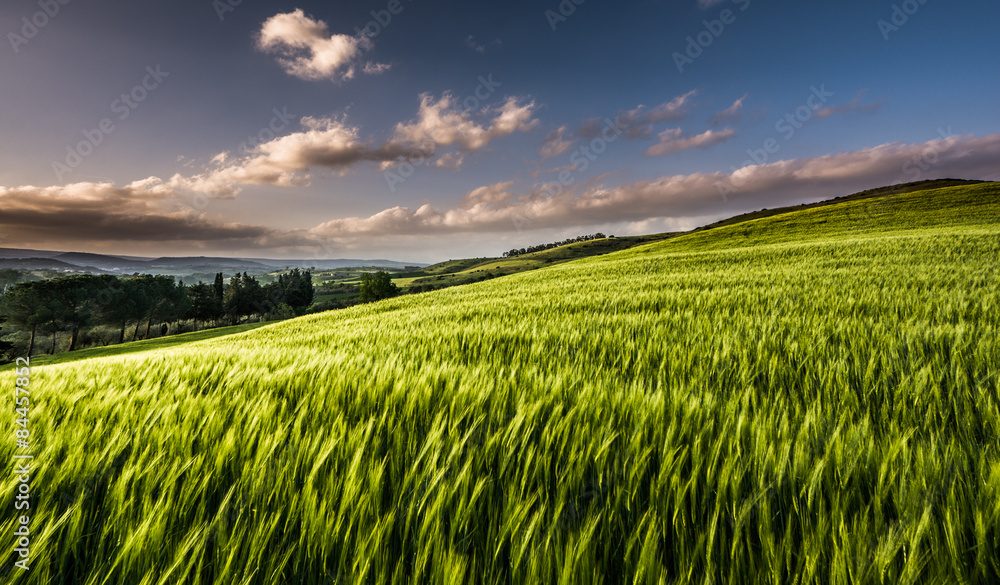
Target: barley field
x=805 y=398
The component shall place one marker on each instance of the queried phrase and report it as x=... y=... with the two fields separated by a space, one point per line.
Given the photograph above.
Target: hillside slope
x=810 y=397
x=458 y=272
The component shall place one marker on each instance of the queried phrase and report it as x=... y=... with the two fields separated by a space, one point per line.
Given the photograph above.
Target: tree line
x=71 y=304
x=541 y=247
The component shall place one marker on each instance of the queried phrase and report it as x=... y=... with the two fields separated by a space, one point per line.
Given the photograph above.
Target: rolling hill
x=25 y=259
x=810 y=396
x=465 y=271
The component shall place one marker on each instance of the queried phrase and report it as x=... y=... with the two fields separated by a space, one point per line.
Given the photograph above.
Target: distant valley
x=187 y=266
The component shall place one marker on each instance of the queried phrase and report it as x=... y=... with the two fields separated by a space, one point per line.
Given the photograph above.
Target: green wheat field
x=805 y=398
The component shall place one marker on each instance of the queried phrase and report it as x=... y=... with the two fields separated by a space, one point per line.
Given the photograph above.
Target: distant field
x=810 y=397
x=459 y=272
x=450 y=266
x=137 y=346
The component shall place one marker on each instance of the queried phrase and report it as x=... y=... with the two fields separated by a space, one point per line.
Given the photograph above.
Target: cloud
x=450 y=160
x=855 y=105
x=325 y=143
x=330 y=143
x=470 y=42
x=490 y=193
x=731 y=115
x=307 y=50
x=675 y=109
x=496 y=209
x=555 y=143
x=440 y=123
x=375 y=68
x=638 y=122
x=671 y=141
x=147 y=214
x=85 y=213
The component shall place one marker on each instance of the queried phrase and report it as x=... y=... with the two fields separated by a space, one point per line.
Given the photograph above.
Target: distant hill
x=464 y=271
x=332 y=263
x=43 y=264
x=25 y=259
x=208 y=263
x=101 y=261
x=21 y=253
x=870 y=193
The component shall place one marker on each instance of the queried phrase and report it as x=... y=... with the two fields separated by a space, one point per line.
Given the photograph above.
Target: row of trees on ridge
x=541 y=247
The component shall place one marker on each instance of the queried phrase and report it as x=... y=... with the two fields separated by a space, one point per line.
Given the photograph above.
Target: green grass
x=137 y=346
x=805 y=398
x=460 y=272
x=870 y=193
x=403 y=282
x=447 y=267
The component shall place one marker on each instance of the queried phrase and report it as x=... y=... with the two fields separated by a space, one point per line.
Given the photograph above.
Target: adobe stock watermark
x=786 y=127
x=280 y=120
x=914 y=168
x=713 y=29
x=405 y=169
x=268 y=132
x=223 y=7
x=579 y=161
x=123 y=105
x=326 y=249
x=562 y=13
x=899 y=16
x=380 y=20
x=31 y=26
x=23 y=470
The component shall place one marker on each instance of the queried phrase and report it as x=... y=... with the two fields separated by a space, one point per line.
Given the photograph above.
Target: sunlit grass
x=809 y=398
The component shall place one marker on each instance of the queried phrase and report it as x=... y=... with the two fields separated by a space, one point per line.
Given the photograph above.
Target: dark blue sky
x=902 y=91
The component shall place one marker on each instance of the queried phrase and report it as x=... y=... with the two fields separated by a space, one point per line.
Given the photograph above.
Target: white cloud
x=327 y=143
x=376 y=68
x=450 y=160
x=855 y=105
x=638 y=122
x=307 y=50
x=490 y=193
x=440 y=123
x=672 y=140
x=150 y=212
x=555 y=143
x=732 y=115
x=470 y=42
x=330 y=143
x=496 y=209
x=675 y=109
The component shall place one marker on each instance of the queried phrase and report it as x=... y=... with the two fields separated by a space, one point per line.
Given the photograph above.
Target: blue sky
x=279 y=130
